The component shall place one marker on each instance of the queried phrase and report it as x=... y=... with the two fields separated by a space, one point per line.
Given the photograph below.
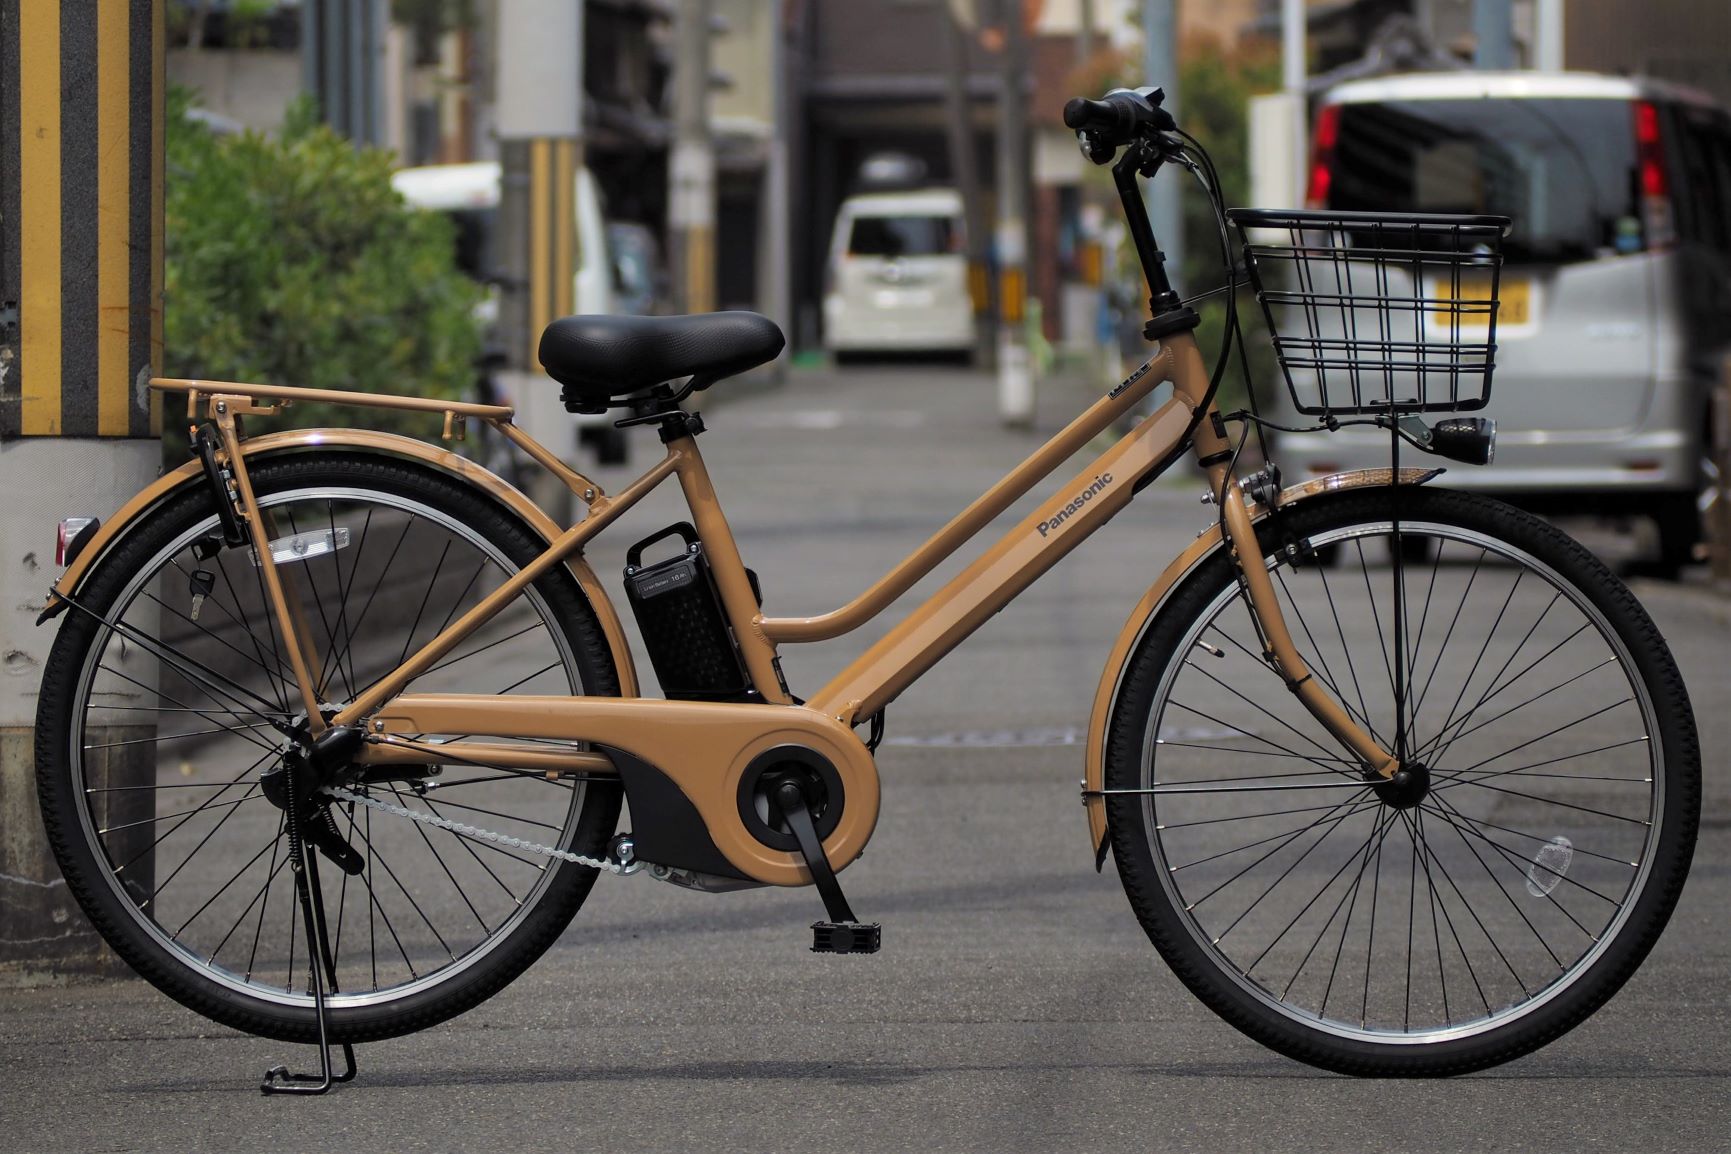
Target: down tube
x=1040 y=541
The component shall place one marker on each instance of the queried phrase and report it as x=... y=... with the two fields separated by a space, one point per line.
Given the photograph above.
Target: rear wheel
x=149 y=770
x=1484 y=903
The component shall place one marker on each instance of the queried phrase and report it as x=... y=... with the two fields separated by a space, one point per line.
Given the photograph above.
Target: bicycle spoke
x=173 y=737
x=1485 y=774
x=310 y=570
x=1519 y=865
x=445 y=869
x=208 y=715
x=432 y=582
x=1260 y=709
x=1515 y=708
x=1346 y=650
x=1376 y=821
x=1444 y=812
x=1311 y=758
x=1468 y=906
x=1376 y=618
x=1454 y=934
x=1498 y=756
x=380 y=582
x=1490 y=876
x=1448 y=635
x=1321 y=666
x=276 y=670
x=250 y=659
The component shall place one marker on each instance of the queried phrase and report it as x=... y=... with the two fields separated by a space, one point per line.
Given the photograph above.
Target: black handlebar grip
x=1082 y=113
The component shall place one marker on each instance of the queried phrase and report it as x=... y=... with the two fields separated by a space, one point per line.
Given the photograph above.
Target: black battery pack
x=678 y=610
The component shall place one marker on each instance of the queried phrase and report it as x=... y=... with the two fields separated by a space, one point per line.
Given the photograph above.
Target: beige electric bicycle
x=334 y=737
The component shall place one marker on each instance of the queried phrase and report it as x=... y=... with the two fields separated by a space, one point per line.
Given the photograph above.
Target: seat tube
x=737 y=599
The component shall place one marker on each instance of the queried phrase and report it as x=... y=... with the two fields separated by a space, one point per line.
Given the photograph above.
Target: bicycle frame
x=702 y=747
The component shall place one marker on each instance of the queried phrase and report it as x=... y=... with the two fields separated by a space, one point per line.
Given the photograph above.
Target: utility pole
x=342 y=57
x=1160 y=67
x=691 y=169
x=776 y=220
x=81 y=114
x=1292 y=37
x=540 y=87
x=1493 y=36
x=1015 y=374
x=1548 y=36
x=964 y=165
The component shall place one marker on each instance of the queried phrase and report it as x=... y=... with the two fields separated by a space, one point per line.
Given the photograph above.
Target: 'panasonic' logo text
x=1075 y=506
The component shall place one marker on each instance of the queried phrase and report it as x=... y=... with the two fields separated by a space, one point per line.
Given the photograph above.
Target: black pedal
x=846 y=937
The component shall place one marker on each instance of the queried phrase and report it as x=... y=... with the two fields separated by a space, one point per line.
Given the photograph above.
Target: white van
x=897 y=279
x=469 y=195
x=1616 y=285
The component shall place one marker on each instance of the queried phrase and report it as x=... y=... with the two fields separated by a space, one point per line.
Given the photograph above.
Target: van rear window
x=1563 y=170
x=902 y=236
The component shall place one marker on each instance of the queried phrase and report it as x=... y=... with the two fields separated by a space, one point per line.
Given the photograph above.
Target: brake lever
x=1096 y=150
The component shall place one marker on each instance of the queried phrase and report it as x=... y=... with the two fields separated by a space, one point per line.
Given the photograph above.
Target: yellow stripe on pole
x=1012 y=289
x=158 y=121
x=113 y=212
x=39 y=216
x=564 y=213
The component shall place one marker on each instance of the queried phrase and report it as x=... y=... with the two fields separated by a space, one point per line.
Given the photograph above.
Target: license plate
x=1514 y=296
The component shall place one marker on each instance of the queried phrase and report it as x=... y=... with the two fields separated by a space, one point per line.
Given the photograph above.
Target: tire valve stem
x=203 y=581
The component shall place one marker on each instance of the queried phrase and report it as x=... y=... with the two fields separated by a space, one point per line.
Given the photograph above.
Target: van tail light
x=74 y=534
x=1656 y=218
x=1322 y=156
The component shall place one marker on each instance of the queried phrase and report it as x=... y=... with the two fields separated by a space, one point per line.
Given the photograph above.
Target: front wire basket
x=1372 y=312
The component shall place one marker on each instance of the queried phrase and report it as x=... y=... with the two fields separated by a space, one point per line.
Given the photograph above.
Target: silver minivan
x=1616 y=288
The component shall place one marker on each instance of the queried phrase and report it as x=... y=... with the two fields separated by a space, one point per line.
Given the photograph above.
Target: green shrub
x=290 y=260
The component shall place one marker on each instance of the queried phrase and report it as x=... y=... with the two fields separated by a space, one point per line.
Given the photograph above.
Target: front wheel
x=1518 y=873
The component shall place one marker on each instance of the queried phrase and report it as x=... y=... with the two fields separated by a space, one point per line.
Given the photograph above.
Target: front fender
x=390 y=444
x=1199 y=551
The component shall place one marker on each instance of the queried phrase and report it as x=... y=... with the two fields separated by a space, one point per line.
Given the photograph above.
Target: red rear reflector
x=66 y=543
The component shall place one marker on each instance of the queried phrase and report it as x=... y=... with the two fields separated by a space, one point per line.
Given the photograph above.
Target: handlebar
x=1121 y=117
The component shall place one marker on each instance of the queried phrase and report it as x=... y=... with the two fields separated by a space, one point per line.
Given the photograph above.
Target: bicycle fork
x=1278 y=647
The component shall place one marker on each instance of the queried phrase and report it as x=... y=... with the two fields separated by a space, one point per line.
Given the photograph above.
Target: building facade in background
x=806 y=90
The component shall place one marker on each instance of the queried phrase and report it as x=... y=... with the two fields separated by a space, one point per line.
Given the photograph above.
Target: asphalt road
x=1016 y=1004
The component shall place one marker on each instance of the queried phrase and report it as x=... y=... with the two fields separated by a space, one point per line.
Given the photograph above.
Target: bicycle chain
x=465 y=830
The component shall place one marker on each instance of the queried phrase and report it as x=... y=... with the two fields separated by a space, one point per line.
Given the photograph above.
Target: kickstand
x=304 y=864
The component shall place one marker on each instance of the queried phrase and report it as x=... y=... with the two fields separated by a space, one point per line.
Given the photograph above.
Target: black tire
x=425 y=892
x=1218 y=866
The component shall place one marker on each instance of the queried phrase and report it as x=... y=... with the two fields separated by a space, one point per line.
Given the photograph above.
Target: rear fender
x=1142 y=617
x=388 y=444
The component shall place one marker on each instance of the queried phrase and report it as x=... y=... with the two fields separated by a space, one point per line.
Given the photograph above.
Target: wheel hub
x=1409 y=785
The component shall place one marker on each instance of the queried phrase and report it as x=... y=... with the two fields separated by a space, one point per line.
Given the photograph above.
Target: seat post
x=679 y=430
